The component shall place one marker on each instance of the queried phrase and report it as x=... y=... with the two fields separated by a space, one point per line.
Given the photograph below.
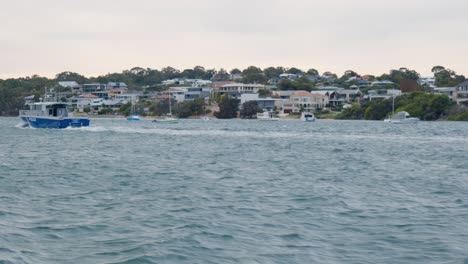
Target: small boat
x=169 y=119
x=205 y=118
x=307 y=117
x=266 y=116
x=402 y=118
x=166 y=120
x=133 y=116
x=50 y=115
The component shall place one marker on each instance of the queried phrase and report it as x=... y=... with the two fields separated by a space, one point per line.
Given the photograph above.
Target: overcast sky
x=94 y=37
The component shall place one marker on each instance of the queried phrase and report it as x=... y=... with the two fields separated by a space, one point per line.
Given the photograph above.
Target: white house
x=305 y=101
x=237 y=89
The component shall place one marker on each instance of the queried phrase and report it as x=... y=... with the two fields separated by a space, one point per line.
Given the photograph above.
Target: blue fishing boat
x=50 y=115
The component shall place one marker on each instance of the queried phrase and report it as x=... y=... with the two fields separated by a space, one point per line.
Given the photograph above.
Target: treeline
x=425 y=106
x=13 y=90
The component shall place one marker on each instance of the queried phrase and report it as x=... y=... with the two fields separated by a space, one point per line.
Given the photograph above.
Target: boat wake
x=266 y=134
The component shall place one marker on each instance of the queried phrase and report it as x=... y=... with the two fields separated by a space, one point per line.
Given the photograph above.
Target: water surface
x=234 y=191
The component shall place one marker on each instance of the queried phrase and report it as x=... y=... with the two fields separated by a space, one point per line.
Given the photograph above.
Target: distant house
x=237 y=89
x=289 y=76
x=304 y=101
x=342 y=96
x=92 y=87
x=116 y=85
x=236 y=77
x=429 y=81
x=383 y=94
x=382 y=83
x=451 y=92
x=181 y=94
x=262 y=103
x=462 y=92
x=286 y=94
x=74 y=86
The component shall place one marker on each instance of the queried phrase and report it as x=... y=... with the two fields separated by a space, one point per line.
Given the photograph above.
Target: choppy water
x=234 y=191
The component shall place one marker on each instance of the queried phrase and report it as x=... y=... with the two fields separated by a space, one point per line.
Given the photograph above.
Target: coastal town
x=284 y=92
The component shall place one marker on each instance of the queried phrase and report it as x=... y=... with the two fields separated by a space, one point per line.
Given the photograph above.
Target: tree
x=191 y=108
x=313 y=72
x=294 y=71
x=71 y=76
x=253 y=75
x=235 y=71
x=221 y=75
x=446 y=77
x=228 y=107
x=170 y=73
x=403 y=74
x=302 y=83
x=264 y=92
x=355 y=112
x=249 y=109
x=272 y=72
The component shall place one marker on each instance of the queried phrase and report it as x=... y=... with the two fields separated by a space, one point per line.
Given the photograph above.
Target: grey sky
x=95 y=37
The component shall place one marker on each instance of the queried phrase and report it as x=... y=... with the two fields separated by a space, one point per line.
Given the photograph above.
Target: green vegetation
x=355 y=112
x=302 y=83
x=459 y=117
x=250 y=109
x=105 y=111
x=190 y=108
x=228 y=107
x=446 y=77
x=418 y=104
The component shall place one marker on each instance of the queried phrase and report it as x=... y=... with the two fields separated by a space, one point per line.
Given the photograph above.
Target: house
x=116 y=85
x=74 y=86
x=181 y=94
x=93 y=87
x=286 y=94
x=237 y=89
x=262 y=103
x=236 y=76
x=304 y=101
x=462 y=92
x=383 y=94
x=429 y=81
x=451 y=92
x=341 y=96
x=382 y=83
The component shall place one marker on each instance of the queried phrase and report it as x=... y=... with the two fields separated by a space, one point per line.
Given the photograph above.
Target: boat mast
x=393 y=103
x=170 y=109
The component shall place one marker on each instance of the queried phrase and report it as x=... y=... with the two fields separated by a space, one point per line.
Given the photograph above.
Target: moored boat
x=402 y=118
x=307 y=117
x=266 y=116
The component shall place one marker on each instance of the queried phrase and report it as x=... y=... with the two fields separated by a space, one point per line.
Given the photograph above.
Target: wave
x=267 y=134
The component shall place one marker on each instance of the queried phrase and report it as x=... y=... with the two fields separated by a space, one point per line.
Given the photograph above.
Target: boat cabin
x=46 y=109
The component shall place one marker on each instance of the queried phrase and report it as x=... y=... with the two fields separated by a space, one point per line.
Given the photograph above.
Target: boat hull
x=166 y=121
x=404 y=121
x=41 y=122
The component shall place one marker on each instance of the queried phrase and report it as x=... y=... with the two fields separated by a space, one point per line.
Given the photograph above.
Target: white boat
x=266 y=116
x=169 y=119
x=50 y=115
x=307 y=117
x=402 y=118
x=205 y=118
